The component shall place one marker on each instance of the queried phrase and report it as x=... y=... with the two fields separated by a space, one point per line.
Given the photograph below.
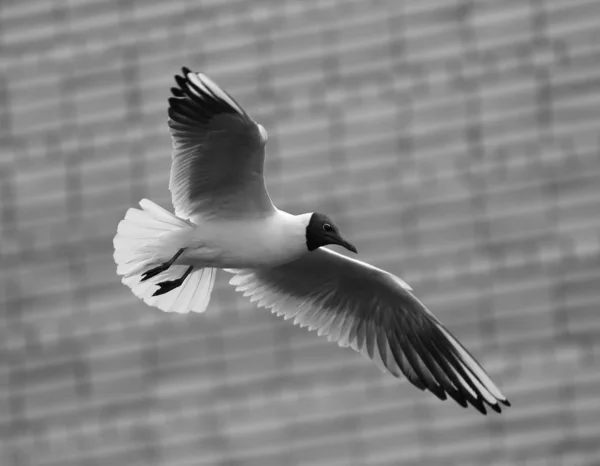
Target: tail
x=141 y=242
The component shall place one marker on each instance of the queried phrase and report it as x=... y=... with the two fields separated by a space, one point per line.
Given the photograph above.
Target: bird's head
x=321 y=231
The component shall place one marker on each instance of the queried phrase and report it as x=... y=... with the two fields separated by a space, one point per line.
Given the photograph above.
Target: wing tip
x=198 y=87
x=495 y=404
x=479 y=402
x=477 y=381
x=496 y=407
x=181 y=81
x=177 y=92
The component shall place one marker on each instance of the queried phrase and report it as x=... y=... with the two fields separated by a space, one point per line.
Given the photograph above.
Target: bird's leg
x=166 y=286
x=162 y=267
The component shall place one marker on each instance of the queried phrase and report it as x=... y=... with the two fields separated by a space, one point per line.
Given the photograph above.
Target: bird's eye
x=327 y=227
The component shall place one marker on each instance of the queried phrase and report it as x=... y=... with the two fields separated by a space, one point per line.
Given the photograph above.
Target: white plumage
x=139 y=244
x=224 y=218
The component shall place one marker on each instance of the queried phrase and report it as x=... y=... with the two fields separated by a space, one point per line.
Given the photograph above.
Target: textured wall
x=457 y=144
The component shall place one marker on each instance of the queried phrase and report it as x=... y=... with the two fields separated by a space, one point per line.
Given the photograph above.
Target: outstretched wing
x=373 y=312
x=218 y=153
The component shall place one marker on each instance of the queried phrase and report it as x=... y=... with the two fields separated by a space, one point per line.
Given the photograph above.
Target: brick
x=46 y=277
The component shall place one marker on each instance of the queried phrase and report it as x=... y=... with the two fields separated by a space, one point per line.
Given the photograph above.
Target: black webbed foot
x=166 y=286
x=155 y=271
x=169 y=285
x=162 y=267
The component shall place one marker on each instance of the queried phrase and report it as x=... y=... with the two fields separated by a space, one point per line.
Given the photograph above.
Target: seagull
x=224 y=219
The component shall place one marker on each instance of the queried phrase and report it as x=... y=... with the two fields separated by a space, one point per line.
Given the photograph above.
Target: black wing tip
x=478 y=403
x=459 y=399
x=204 y=97
x=173 y=101
x=177 y=92
x=442 y=373
x=496 y=407
x=181 y=81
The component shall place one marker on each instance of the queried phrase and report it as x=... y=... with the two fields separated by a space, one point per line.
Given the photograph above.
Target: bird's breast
x=246 y=243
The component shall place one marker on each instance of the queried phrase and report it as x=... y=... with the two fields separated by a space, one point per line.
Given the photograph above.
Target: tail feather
x=141 y=238
x=201 y=296
x=143 y=220
x=161 y=214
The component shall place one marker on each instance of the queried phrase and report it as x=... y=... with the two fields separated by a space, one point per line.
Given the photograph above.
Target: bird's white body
x=270 y=240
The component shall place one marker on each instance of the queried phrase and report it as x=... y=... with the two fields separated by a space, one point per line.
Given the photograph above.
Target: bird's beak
x=335 y=239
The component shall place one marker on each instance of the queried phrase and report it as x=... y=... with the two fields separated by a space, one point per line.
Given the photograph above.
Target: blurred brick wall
x=456 y=142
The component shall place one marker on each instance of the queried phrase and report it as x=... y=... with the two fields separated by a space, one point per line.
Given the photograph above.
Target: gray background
x=455 y=142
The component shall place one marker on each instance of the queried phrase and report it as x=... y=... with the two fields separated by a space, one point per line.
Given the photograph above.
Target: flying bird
x=224 y=219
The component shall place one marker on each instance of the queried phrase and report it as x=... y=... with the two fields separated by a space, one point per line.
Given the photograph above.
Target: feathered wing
x=373 y=312
x=218 y=152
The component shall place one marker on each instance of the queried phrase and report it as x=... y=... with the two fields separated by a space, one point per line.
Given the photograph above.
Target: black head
x=321 y=231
